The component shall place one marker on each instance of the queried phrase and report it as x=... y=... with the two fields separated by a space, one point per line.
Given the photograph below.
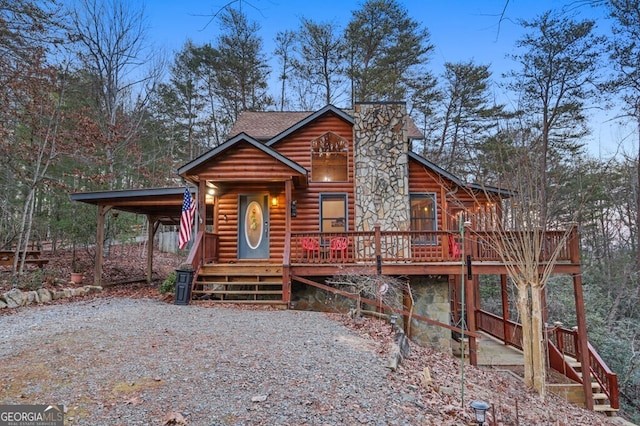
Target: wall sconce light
x=274 y=201
x=480 y=409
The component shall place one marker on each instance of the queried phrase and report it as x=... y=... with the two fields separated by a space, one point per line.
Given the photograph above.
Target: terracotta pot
x=76 y=278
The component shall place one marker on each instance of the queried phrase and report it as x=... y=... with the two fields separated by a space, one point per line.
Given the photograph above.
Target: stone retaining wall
x=16 y=298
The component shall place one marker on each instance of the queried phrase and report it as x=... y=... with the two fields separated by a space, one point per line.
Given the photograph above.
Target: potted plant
x=76 y=275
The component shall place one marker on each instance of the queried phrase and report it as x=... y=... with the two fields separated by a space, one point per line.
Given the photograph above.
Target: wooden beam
x=97 y=272
x=152 y=226
x=581 y=322
x=286 y=256
x=471 y=317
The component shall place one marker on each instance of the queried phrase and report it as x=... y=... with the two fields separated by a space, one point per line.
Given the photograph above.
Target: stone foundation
x=431 y=300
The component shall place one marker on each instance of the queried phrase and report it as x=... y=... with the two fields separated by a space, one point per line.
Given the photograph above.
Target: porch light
x=480 y=409
x=274 y=201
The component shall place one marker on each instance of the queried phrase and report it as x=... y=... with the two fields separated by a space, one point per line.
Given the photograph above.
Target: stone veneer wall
x=431 y=300
x=381 y=166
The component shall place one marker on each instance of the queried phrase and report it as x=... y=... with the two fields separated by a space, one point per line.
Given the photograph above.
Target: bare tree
x=284 y=49
x=114 y=49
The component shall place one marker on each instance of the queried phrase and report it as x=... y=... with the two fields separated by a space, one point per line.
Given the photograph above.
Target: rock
x=446 y=390
x=15 y=298
x=80 y=291
x=90 y=289
x=45 y=295
x=32 y=297
x=259 y=398
x=58 y=294
x=2 y=304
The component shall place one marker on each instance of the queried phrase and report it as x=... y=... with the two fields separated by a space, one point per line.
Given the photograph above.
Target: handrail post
x=377 y=243
x=574 y=245
x=286 y=272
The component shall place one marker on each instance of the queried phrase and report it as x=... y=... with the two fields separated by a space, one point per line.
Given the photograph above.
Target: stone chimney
x=381 y=166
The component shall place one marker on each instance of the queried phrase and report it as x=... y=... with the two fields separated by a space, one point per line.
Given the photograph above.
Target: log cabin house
x=293 y=198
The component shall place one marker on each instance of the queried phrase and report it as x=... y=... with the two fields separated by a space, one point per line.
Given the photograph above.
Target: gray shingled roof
x=264 y=125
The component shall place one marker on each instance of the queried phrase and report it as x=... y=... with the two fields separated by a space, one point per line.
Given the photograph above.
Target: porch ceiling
x=164 y=204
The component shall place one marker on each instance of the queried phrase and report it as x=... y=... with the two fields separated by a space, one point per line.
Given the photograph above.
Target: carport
x=159 y=205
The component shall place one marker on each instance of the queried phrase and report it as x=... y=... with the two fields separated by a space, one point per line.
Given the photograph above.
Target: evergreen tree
x=321 y=60
x=386 y=49
x=242 y=69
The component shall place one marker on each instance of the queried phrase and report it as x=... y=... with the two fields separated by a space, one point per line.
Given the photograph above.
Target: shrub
x=168 y=285
x=31 y=280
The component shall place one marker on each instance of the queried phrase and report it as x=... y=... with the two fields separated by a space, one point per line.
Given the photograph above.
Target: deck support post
x=286 y=255
x=583 y=344
x=471 y=319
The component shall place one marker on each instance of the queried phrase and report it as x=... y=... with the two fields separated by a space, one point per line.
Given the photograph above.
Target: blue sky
x=461 y=30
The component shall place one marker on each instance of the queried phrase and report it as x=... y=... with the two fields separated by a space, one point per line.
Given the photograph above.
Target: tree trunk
x=538 y=360
x=524 y=309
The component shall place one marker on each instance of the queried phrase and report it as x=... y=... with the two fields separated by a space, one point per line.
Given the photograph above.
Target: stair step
x=238 y=283
x=237 y=292
x=248 y=301
x=600 y=396
x=604 y=407
x=575 y=364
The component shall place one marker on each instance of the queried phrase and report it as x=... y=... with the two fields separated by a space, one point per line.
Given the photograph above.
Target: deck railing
x=418 y=246
x=508 y=331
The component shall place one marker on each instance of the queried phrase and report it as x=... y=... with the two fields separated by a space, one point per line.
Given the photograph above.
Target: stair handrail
x=566 y=341
x=558 y=362
x=607 y=379
x=195 y=254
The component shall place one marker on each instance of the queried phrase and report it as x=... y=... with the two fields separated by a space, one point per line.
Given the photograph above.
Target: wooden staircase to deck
x=601 y=401
x=239 y=283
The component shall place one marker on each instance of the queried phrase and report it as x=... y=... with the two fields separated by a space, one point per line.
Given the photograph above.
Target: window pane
x=423 y=213
x=333 y=213
x=329 y=158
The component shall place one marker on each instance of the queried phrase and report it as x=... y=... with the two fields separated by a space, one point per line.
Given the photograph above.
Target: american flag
x=186 y=219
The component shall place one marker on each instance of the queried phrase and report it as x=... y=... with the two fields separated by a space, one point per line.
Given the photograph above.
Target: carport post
x=153 y=225
x=97 y=273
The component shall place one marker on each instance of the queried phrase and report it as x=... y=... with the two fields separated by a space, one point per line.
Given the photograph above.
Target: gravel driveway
x=114 y=361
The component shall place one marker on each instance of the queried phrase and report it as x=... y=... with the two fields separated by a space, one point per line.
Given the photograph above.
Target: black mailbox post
x=184 y=277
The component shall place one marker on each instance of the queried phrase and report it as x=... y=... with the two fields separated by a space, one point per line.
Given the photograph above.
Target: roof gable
x=230 y=144
x=327 y=109
x=442 y=172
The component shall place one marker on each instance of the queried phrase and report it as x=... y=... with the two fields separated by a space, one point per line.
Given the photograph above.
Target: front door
x=253 y=227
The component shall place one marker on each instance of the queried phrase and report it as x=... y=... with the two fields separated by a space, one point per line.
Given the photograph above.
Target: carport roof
x=164 y=204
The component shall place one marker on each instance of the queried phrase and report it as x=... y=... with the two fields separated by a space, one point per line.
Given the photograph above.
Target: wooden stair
x=600 y=399
x=239 y=283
